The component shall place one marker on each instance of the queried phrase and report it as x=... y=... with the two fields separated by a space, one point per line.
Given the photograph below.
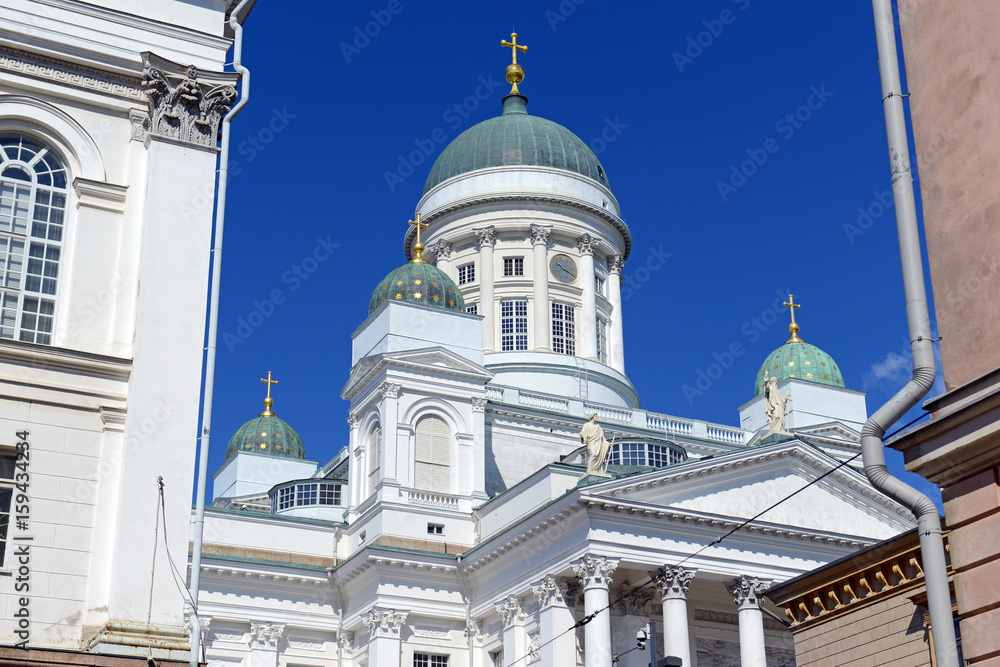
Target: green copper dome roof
x=515 y=138
x=798 y=359
x=418 y=282
x=267 y=434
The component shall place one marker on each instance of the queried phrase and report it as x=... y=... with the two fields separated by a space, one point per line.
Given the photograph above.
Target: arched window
x=374 y=457
x=432 y=471
x=32 y=214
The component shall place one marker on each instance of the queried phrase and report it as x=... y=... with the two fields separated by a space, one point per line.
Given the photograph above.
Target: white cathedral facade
x=458 y=525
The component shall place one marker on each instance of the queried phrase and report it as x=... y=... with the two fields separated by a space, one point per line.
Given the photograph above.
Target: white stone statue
x=592 y=435
x=775 y=405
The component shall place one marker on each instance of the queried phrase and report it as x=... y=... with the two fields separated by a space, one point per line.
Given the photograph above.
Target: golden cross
x=791 y=305
x=419 y=225
x=514 y=47
x=269 y=382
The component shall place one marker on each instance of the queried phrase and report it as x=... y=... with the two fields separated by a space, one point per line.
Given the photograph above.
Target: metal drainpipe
x=340 y=611
x=468 y=607
x=921 y=345
x=213 y=325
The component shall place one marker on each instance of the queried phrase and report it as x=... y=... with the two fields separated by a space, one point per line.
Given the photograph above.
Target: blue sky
x=744 y=140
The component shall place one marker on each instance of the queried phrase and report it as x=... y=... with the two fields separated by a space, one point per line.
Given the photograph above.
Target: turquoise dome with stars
x=267 y=434
x=515 y=138
x=418 y=282
x=800 y=360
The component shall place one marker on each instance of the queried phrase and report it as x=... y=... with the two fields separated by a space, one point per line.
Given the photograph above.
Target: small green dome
x=418 y=282
x=515 y=138
x=800 y=360
x=267 y=434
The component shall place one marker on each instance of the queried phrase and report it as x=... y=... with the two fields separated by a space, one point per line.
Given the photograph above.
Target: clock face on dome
x=563 y=268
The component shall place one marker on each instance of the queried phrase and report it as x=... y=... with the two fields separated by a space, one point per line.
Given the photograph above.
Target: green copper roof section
x=267 y=434
x=802 y=361
x=418 y=282
x=515 y=138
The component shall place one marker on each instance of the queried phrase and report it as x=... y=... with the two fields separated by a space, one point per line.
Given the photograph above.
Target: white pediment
x=742 y=484
x=431 y=360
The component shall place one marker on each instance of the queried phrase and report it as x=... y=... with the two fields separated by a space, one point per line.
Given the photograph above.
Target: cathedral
x=501 y=498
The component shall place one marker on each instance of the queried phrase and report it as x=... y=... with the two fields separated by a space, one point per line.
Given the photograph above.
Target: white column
x=390 y=435
x=540 y=328
x=616 y=336
x=487 y=238
x=515 y=638
x=588 y=315
x=264 y=638
x=595 y=576
x=383 y=626
x=554 y=617
x=358 y=469
x=673 y=583
x=479 y=452
x=442 y=256
x=746 y=593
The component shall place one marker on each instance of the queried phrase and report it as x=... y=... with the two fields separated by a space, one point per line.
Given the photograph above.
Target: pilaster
x=588 y=315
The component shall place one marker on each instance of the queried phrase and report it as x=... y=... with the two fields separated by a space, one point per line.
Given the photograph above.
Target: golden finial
x=418 y=247
x=793 y=328
x=515 y=73
x=268 y=402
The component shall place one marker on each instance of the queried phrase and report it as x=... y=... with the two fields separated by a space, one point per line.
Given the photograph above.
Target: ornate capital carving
x=204 y=622
x=595 y=572
x=746 y=591
x=551 y=591
x=587 y=244
x=486 y=236
x=352 y=421
x=265 y=636
x=389 y=390
x=511 y=612
x=384 y=622
x=478 y=403
x=673 y=582
x=440 y=249
x=474 y=632
x=634 y=602
x=346 y=642
x=540 y=234
x=184 y=103
x=616 y=263
x=140 y=124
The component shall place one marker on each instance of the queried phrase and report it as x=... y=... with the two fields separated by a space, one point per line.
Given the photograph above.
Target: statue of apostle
x=592 y=435
x=775 y=404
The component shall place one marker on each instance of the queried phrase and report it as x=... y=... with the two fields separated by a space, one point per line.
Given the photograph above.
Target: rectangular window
x=602 y=340
x=472 y=309
x=466 y=273
x=435 y=529
x=429 y=660
x=513 y=325
x=513 y=266
x=329 y=494
x=306 y=494
x=7 y=470
x=563 y=329
x=599 y=285
x=286 y=498
x=497 y=658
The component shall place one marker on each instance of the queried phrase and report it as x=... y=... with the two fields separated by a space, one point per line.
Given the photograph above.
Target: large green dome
x=418 y=282
x=515 y=138
x=798 y=359
x=267 y=434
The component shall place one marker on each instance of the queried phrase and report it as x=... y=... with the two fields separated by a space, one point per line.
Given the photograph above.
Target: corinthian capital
x=616 y=263
x=746 y=591
x=265 y=636
x=595 y=571
x=389 y=390
x=587 y=244
x=440 y=249
x=186 y=104
x=673 y=582
x=511 y=612
x=486 y=236
x=540 y=234
x=551 y=591
x=384 y=622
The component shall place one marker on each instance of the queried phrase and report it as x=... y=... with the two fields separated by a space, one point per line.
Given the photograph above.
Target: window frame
x=466 y=273
x=431 y=659
x=373 y=456
x=8 y=485
x=513 y=325
x=513 y=267
x=563 y=328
